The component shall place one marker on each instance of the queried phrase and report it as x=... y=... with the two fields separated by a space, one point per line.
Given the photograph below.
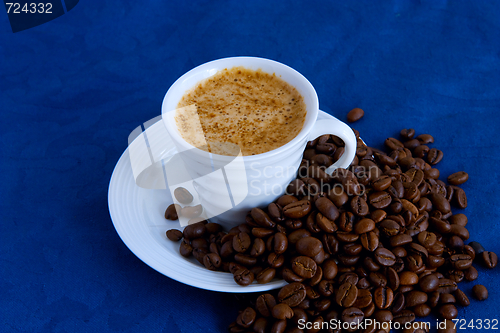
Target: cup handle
x=340 y=129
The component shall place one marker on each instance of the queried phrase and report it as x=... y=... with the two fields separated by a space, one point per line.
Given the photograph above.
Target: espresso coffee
x=240 y=109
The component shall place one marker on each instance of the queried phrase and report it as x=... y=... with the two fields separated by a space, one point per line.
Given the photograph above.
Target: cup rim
x=217 y=65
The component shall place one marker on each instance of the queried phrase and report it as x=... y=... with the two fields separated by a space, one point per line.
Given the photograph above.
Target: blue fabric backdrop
x=74 y=88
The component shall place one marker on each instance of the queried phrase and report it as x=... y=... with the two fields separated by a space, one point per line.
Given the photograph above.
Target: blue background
x=74 y=88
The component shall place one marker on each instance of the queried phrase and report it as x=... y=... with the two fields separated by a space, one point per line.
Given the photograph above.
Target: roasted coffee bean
x=199 y=243
x=191 y=211
x=258 y=247
x=478 y=248
x=377 y=279
x=460 y=261
x=275 y=260
x=480 y=292
x=285 y=200
x=275 y=212
x=470 y=273
x=370 y=241
x=355 y=115
x=346 y=295
x=346 y=221
x=279 y=243
x=325 y=223
x=295 y=188
x=422 y=310
x=245 y=259
x=404 y=316
x=364 y=225
x=353 y=316
x=434 y=156
x=243 y=277
x=393 y=143
x=380 y=199
x=408 y=278
x=384 y=257
x=429 y=283
x=292 y=294
x=407 y=134
x=440 y=203
x=199 y=254
x=327 y=208
x=183 y=195
x=447 y=286
x=398 y=303
x=261 y=218
x=246 y=318
x=425 y=139
x=174 y=235
x=297 y=209
x=458 y=178
x=282 y=311
x=461 y=298
x=212 y=261
x=193 y=231
x=421 y=151
x=459 y=198
x=279 y=326
x=329 y=269
x=389 y=227
x=400 y=240
x=308 y=246
x=414 y=298
x=289 y=276
x=448 y=311
x=364 y=299
x=185 y=249
x=489 y=259
x=172 y=212
x=304 y=267
x=412 y=144
x=383 y=297
x=264 y=304
x=241 y=242
x=359 y=206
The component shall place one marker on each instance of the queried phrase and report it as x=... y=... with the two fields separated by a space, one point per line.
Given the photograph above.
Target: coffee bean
x=183 y=195
x=346 y=295
x=172 y=212
x=447 y=286
x=478 y=248
x=304 y=267
x=440 y=203
x=448 y=311
x=346 y=221
x=353 y=316
x=480 y=292
x=275 y=260
x=193 y=231
x=422 y=310
x=297 y=209
x=280 y=243
x=383 y=297
x=327 y=208
x=325 y=223
x=382 y=183
x=174 y=235
x=399 y=240
x=429 y=283
x=407 y=278
x=434 y=156
x=461 y=261
x=264 y=304
x=191 y=211
x=414 y=298
x=404 y=316
x=246 y=318
x=212 y=261
x=407 y=134
x=282 y=311
x=292 y=294
x=359 y=206
x=329 y=269
x=384 y=257
x=243 y=277
x=380 y=199
x=470 y=273
x=462 y=299
x=185 y=249
x=489 y=259
x=393 y=143
x=279 y=326
x=355 y=115
x=398 y=303
x=308 y=246
x=261 y=218
x=459 y=198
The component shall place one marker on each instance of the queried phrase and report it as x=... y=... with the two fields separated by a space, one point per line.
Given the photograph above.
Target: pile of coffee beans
x=378 y=241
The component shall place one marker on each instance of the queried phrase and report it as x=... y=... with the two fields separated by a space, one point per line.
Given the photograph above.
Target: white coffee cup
x=254 y=181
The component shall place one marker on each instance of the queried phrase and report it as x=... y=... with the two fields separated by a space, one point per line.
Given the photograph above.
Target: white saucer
x=138 y=217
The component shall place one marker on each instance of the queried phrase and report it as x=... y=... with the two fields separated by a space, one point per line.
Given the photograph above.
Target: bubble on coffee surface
x=255 y=110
